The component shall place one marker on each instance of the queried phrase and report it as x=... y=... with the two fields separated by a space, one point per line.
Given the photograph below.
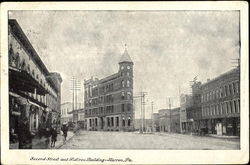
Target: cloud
x=168 y=48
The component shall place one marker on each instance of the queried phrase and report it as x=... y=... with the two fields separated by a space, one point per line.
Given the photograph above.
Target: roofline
x=220 y=76
x=29 y=47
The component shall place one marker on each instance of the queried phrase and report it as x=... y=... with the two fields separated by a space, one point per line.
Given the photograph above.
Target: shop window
x=117 y=121
x=90 y=123
x=96 y=122
x=112 y=121
x=108 y=122
x=129 y=121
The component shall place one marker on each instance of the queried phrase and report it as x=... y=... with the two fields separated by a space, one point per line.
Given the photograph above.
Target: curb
x=59 y=146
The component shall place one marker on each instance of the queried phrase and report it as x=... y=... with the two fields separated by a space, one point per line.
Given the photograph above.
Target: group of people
x=52 y=132
x=25 y=135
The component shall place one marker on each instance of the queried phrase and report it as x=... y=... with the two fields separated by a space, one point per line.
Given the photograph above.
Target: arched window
x=129 y=95
x=128 y=83
x=129 y=121
x=123 y=83
x=123 y=95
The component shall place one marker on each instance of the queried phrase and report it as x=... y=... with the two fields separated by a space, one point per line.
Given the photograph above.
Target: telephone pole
x=170 y=113
x=152 y=110
x=75 y=86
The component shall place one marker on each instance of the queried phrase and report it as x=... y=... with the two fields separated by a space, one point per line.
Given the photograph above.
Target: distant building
x=109 y=101
x=193 y=111
x=147 y=124
x=221 y=104
x=156 y=127
x=186 y=101
x=169 y=120
x=66 y=111
x=34 y=92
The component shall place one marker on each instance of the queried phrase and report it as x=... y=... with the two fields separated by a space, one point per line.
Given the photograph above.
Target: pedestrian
x=47 y=136
x=53 y=136
x=65 y=131
x=24 y=134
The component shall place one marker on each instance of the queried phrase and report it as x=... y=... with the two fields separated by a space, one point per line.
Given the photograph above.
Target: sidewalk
x=38 y=143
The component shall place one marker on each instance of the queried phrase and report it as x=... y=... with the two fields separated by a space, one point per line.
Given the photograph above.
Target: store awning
x=21 y=80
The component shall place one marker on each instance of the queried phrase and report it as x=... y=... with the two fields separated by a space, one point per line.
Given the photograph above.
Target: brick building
x=109 y=101
x=193 y=111
x=186 y=102
x=221 y=104
x=34 y=92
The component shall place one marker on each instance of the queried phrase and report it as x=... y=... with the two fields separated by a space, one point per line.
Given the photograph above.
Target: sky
x=168 y=48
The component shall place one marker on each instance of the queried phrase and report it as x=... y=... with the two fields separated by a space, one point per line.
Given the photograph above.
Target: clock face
x=122 y=67
x=128 y=67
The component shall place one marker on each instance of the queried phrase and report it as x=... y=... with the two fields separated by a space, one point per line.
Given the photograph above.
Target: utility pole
x=152 y=109
x=170 y=113
x=76 y=85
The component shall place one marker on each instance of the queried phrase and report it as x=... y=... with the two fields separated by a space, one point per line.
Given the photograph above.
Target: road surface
x=133 y=140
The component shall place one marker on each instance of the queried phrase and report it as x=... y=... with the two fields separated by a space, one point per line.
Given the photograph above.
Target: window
x=127 y=73
x=123 y=107
x=108 y=122
x=96 y=122
x=237 y=87
x=123 y=83
x=221 y=108
x=230 y=89
x=128 y=107
x=231 y=106
x=112 y=121
x=234 y=106
x=123 y=95
x=129 y=95
x=128 y=67
x=233 y=86
x=117 y=121
x=128 y=83
x=238 y=105
x=221 y=92
x=228 y=108
x=129 y=121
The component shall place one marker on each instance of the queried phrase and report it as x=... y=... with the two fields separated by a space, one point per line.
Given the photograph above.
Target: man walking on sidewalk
x=65 y=131
x=53 y=136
